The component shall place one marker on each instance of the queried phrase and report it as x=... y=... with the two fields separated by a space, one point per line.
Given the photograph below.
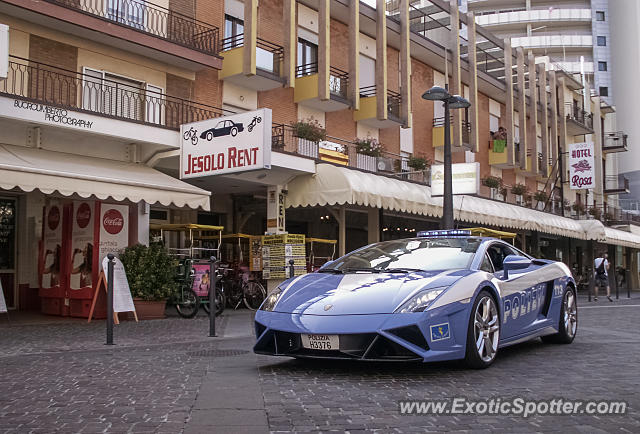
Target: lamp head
x=458 y=102
x=436 y=93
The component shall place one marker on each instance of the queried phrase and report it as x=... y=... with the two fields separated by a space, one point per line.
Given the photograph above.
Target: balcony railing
x=338 y=82
x=579 y=116
x=152 y=19
x=466 y=126
x=269 y=56
x=615 y=142
x=345 y=153
x=306 y=69
x=393 y=100
x=49 y=85
x=616 y=185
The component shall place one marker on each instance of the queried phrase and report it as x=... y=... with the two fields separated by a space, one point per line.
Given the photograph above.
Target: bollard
x=110 y=299
x=212 y=297
x=291 y=268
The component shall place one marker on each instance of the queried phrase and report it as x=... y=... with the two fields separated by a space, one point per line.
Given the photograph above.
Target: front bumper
x=375 y=337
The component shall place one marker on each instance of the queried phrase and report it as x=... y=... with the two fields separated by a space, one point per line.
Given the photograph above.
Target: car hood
x=358 y=293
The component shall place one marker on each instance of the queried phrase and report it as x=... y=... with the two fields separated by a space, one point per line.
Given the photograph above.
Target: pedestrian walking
x=601 y=267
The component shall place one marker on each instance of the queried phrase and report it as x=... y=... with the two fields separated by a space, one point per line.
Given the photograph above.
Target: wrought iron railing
x=346 y=153
x=152 y=19
x=393 y=100
x=580 y=116
x=338 y=82
x=55 y=87
x=269 y=56
x=307 y=69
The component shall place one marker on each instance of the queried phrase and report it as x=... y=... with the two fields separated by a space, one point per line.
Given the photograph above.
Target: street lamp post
x=437 y=93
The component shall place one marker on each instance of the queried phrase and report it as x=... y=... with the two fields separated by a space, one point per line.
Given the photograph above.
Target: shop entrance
x=8 y=233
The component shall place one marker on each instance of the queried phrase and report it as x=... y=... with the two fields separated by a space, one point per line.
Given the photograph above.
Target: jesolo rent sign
x=228 y=144
x=581 y=166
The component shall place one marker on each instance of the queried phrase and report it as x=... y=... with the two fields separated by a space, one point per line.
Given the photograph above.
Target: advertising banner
x=226 y=144
x=201 y=279
x=581 y=166
x=465 y=178
x=114 y=229
x=82 y=244
x=122 y=300
x=52 y=246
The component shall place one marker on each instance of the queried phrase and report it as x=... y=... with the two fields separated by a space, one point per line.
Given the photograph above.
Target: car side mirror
x=514 y=262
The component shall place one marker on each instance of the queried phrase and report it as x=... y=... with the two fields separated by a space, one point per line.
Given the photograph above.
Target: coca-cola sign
x=83 y=215
x=581 y=166
x=53 y=218
x=112 y=221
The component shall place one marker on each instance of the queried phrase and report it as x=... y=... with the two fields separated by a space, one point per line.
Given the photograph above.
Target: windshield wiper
x=363 y=269
x=330 y=270
x=401 y=270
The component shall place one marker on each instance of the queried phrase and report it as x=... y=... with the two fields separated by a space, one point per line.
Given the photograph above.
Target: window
x=486 y=264
x=602 y=41
x=233 y=32
x=497 y=252
x=125 y=12
x=118 y=96
x=602 y=66
x=604 y=91
x=307 y=57
x=599 y=15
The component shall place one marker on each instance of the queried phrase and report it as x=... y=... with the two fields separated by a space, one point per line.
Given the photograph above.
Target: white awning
x=622 y=238
x=48 y=171
x=335 y=185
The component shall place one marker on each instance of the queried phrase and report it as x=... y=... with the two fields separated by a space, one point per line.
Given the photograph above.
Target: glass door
x=8 y=234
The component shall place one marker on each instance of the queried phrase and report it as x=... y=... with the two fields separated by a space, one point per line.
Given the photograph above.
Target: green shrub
x=309 y=129
x=150 y=271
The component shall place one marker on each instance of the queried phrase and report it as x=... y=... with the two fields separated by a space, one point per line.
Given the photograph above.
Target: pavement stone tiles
x=168 y=376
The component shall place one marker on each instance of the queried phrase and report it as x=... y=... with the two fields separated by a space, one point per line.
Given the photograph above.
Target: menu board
x=52 y=246
x=278 y=250
x=3 y=304
x=122 y=301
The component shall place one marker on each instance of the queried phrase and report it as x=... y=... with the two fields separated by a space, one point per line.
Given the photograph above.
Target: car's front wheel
x=568 y=322
x=234 y=131
x=483 y=333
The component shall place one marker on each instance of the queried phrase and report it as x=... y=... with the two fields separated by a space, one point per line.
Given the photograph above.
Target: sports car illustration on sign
x=222 y=128
x=444 y=295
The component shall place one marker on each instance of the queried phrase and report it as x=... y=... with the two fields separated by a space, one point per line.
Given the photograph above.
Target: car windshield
x=424 y=254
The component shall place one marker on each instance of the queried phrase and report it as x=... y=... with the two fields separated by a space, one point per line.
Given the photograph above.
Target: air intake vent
x=411 y=334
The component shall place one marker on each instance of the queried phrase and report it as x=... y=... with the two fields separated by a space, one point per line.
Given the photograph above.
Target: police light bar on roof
x=445 y=233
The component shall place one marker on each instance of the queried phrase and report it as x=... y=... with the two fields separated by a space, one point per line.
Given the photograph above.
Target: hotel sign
x=465 y=178
x=581 y=166
x=228 y=144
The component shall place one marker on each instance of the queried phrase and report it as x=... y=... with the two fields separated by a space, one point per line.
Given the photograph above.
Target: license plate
x=321 y=342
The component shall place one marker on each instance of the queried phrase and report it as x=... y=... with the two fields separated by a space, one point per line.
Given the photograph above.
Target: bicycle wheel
x=234 y=295
x=187 y=306
x=220 y=302
x=253 y=294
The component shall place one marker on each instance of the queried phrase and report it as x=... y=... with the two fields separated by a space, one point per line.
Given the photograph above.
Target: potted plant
x=150 y=272
x=541 y=199
x=578 y=207
x=595 y=212
x=567 y=205
x=418 y=163
x=309 y=133
x=367 y=151
x=519 y=190
x=492 y=182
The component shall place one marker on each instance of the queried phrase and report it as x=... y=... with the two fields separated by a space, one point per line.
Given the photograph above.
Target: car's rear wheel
x=568 y=321
x=209 y=136
x=483 y=333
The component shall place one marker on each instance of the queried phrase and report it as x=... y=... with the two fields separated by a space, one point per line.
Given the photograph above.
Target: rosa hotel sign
x=228 y=144
x=581 y=166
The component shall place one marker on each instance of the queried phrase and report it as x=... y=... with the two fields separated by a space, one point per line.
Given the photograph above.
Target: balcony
x=498 y=154
x=269 y=58
x=140 y=26
x=616 y=185
x=75 y=93
x=614 y=142
x=345 y=153
x=368 y=109
x=306 y=89
x=547 y=16
x=437 y=134
x=579 y=122
x=553 y=41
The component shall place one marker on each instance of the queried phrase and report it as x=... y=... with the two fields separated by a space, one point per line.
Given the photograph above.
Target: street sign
x=227 y=144
x=581 y=166
x=465 y=178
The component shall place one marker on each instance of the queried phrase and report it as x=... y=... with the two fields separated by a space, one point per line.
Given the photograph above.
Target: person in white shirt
x=601 y=274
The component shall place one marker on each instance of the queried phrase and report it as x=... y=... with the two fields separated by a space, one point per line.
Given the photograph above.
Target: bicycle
x=192 y=135
x=187 y=301
x=241 y=287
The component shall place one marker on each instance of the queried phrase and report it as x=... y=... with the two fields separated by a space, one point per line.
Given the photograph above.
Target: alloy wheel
x=570 y=313
x=487 y=329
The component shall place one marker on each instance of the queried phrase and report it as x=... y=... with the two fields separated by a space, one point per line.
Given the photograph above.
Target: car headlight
x=420 y=301
x=270 y=302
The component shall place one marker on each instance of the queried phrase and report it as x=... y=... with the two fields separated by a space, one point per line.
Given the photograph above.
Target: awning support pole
x=341 y=218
